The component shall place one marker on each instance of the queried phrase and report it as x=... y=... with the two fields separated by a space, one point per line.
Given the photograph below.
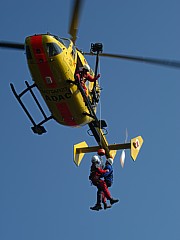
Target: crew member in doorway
x=83 y=75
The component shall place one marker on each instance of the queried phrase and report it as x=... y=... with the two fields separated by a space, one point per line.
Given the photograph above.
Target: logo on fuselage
x=57 y=95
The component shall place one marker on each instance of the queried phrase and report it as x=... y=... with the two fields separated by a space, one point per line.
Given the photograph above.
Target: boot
x=97 y=207
x=106 y=206
x=112 y=201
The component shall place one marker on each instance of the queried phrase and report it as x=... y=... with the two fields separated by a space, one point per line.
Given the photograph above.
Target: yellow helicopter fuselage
x=52 y=61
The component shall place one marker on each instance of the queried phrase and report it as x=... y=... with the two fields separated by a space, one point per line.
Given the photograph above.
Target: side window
x=28 y=53
x=53 y=49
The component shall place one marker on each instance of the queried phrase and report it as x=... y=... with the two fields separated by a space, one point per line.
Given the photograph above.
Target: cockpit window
x=66 y=42
x=53 y=49
x=28 y=53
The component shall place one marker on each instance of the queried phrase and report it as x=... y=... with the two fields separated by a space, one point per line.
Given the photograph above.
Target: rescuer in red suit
x=83 y=75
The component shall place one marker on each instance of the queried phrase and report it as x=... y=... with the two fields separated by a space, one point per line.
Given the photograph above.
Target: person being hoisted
x=82 y=75
x=108 y=175
x=103 y=192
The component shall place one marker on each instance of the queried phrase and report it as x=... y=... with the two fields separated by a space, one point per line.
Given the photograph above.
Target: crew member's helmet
x=110 y=161
x=86 y=67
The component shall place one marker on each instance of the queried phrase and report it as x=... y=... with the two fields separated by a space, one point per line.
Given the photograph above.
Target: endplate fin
x=78 y=153
x=136 y=144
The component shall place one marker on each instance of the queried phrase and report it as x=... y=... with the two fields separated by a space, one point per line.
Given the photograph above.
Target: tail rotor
x=123 y=154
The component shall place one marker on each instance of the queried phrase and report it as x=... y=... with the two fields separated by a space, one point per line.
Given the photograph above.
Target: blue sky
x=43 y=194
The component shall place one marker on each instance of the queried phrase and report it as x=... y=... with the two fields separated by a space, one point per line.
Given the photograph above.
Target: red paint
x=42 y=61
x=66 y=114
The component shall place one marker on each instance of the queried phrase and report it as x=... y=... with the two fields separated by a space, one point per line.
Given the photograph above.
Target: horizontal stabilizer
x=81 y=148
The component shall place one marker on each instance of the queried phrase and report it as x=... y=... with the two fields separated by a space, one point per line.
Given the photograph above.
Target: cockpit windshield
x=66 y=42
x=53 y=49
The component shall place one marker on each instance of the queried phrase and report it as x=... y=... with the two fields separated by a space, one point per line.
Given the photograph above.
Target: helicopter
x=53 y=62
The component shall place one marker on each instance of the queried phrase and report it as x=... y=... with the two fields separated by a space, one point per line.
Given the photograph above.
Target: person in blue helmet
x=108 y=176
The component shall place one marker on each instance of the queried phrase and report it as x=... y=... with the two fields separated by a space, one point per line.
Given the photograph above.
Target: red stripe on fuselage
x=42 y=61
x=66 y=114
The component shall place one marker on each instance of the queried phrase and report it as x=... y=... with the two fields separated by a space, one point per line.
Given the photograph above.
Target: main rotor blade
x=73 y=28
x=12 y=45
x=162 y=62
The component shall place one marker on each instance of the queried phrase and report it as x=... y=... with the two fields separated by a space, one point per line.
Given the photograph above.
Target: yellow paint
x=78 y=152
x=136 y=144
x=63 y=68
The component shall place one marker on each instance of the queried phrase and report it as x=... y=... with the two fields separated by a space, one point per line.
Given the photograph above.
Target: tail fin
x=78 y=152
x=136 y=144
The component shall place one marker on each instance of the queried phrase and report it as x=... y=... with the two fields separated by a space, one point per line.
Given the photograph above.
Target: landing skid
x=37 y=128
